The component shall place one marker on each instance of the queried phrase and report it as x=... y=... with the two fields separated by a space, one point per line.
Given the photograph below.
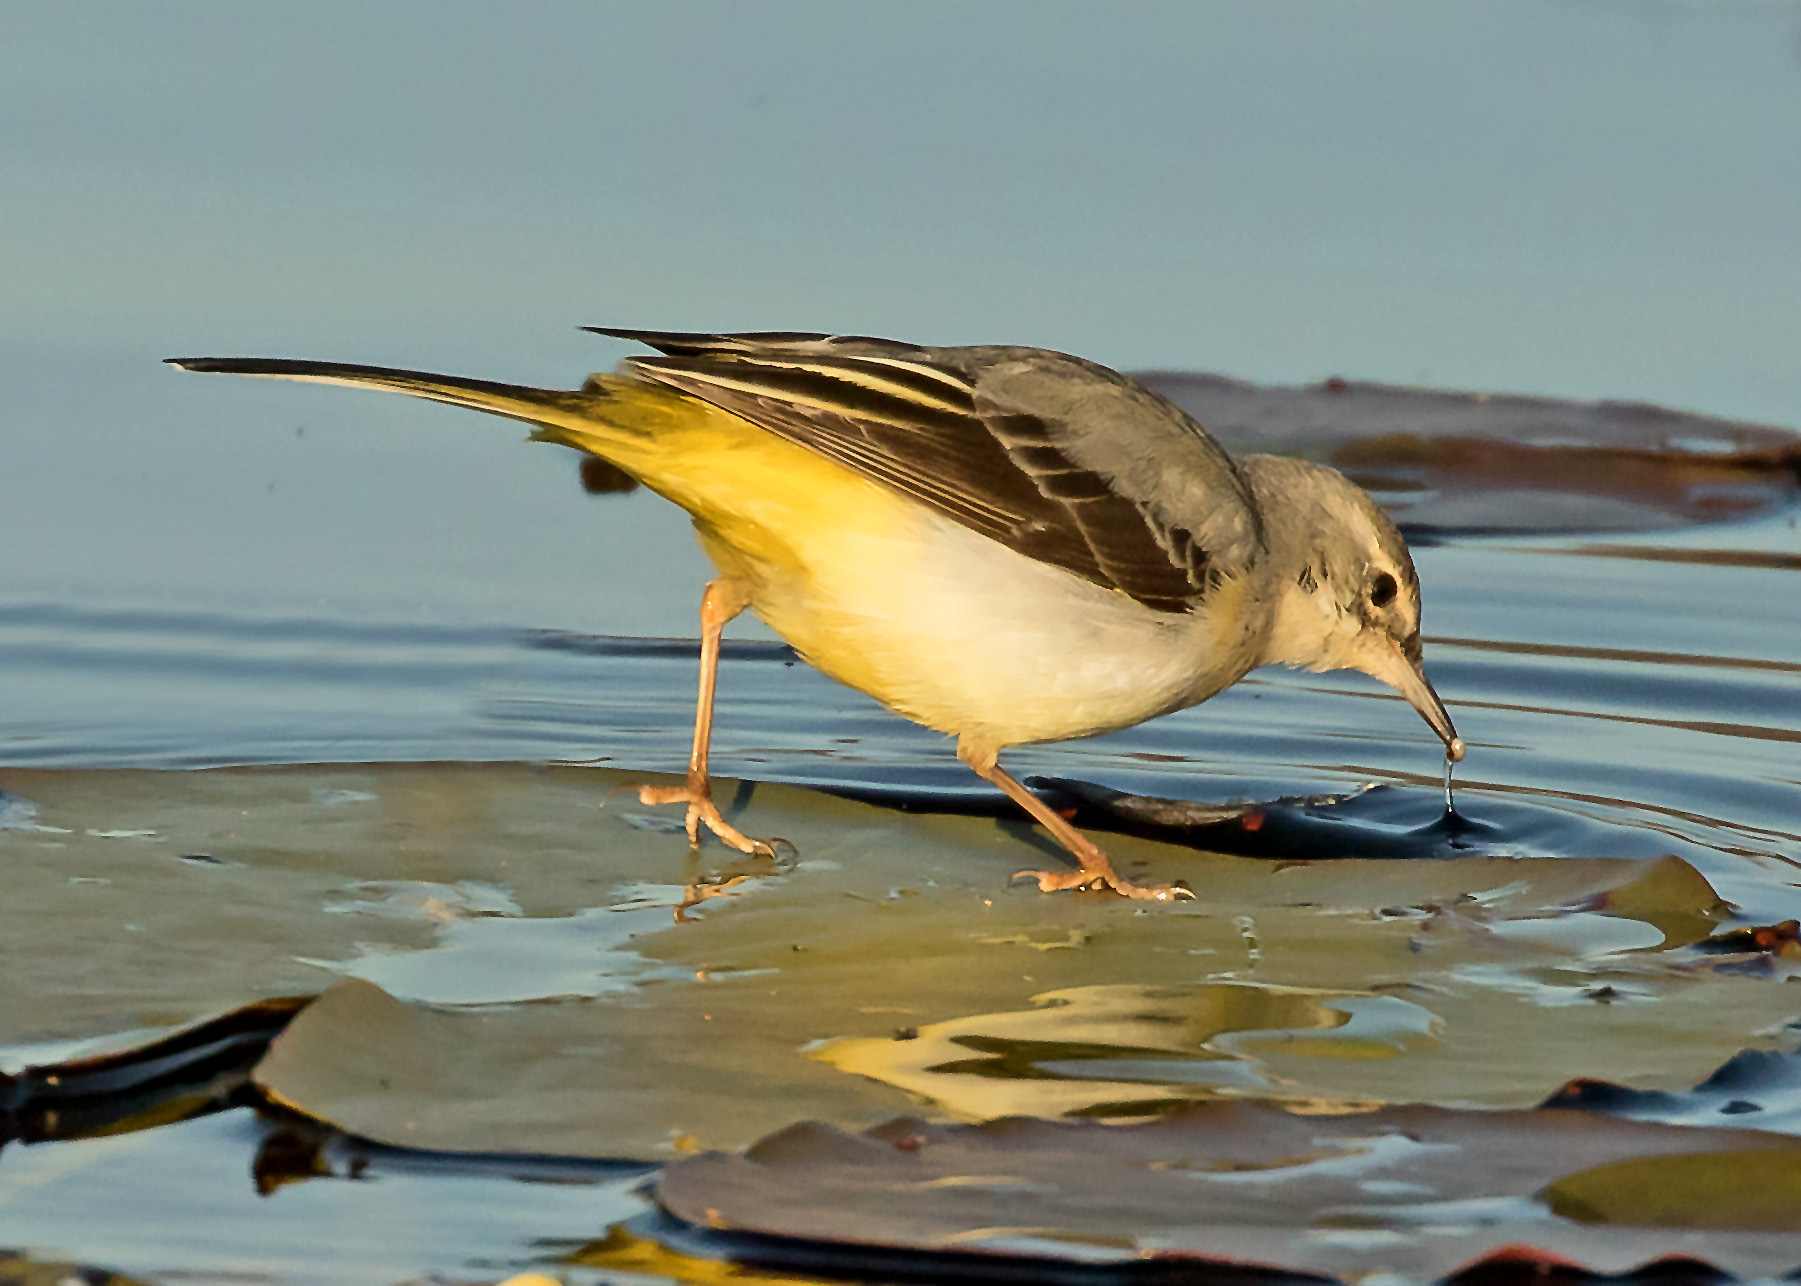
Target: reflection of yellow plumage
x=1007 y=545
x=1105 y=1047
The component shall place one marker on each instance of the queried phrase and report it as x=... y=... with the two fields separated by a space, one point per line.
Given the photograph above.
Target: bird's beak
x=1409 y=678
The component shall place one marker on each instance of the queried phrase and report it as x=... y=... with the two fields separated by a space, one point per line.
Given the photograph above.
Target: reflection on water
x=1117 y=1050
x=498 y=958
x=182 y=1207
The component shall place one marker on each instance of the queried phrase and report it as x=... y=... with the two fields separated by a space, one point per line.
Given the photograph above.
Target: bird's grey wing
x=1056 y=458
x=1166 y=474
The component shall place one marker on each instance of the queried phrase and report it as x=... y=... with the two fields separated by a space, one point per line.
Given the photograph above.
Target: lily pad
x=1412 y=1190
x=187 y=1073
x=1444 y=461
x=1758 y=1088
x=894 y=964
x=637 y=1002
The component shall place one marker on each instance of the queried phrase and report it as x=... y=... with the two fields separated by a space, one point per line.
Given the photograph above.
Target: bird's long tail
x=546 y=408
x=674 y=444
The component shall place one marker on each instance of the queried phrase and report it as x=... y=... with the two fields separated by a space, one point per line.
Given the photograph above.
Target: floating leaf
x=199 y=1069
x=1759 y=1088
x=605 y=1028
x=1456 y=1007
x=1420 y=1191
x=1483 y=462
x=1782 y=939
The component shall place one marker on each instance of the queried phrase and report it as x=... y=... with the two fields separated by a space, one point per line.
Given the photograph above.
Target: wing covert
x=1058 y=459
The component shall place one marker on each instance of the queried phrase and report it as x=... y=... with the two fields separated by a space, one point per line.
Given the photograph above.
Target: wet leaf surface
x=1418 y=1191
x=1468 y=979
x=702 y=1037
x=1413 y=1190
x=541 y=1005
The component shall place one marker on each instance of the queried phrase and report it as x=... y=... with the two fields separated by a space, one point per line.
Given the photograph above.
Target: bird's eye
x=1383 y=590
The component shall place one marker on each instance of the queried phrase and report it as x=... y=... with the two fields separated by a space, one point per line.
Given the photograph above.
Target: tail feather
x=556 y=408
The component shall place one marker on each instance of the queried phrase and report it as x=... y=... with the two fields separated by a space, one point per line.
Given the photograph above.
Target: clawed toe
x=702 y=810
x=1058 y=881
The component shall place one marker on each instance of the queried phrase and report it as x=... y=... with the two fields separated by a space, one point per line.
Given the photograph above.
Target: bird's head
x=1348 y=597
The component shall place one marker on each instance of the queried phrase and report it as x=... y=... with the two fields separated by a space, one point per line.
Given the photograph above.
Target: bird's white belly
x=961 y=634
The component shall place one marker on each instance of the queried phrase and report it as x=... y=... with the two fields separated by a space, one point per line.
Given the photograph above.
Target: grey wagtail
x=1009 y=545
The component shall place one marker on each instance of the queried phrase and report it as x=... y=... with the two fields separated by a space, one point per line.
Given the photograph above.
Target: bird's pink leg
x=1094 y=868
x=722 y=601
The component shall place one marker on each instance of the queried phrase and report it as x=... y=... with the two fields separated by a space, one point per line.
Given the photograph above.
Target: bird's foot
x=702 y=810
x=1102 y=875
